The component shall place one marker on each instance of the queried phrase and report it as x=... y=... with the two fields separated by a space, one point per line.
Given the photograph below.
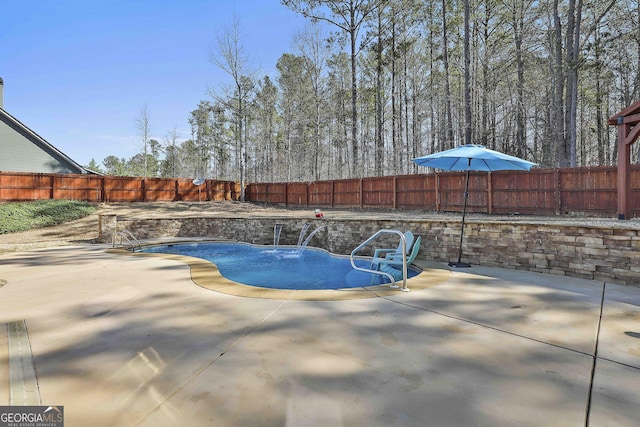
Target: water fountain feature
x=302 y=233
x=304 y=244
x=277 y=229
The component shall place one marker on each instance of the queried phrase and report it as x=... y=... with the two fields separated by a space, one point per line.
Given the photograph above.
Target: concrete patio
x=132 y=341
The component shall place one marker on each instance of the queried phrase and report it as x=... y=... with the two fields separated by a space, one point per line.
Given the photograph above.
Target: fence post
x=558 y=191
x=490 y=193
x=143 y=190
x=333 y=192
x=306 y=193
x=286 y=194
x=361 y=193
x=437 y=192
x=52 y=184
x=395 y=192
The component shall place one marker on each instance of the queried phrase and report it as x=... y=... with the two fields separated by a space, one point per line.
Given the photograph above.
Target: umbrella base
x=459 y=264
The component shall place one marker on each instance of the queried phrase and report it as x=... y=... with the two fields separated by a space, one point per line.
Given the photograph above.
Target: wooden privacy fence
x=574 y=191
x=96 y=188
x=568 y=191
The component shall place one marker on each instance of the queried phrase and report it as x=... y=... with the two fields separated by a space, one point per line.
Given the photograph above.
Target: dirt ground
x=85 y=230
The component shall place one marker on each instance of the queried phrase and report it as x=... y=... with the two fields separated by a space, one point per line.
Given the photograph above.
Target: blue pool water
x=279 y=267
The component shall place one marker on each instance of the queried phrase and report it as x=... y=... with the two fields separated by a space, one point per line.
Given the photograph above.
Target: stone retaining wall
x=608 y=254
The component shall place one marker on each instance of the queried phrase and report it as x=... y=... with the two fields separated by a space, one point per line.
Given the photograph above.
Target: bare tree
x=229 y=55
x=467 y=75
x=448 y=126
x=311 y=44
x=349 y=16
x=169 y=167
x=266 y=124
x=568 y=62
x=143 y=127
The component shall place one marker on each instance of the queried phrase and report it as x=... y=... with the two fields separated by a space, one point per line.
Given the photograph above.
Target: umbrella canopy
x=473 y=157
x=467 y=158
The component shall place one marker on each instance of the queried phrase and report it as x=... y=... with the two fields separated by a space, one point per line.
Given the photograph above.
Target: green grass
x=22 y=216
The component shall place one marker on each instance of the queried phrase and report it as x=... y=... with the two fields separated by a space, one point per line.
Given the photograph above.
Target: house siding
x=20 y=153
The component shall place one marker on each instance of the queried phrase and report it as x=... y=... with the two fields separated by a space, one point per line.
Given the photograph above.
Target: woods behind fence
x=568 y=191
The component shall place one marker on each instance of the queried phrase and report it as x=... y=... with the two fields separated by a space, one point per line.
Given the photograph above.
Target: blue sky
x=78 y=72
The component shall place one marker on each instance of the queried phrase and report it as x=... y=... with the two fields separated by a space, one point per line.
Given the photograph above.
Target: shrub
x=21 y=216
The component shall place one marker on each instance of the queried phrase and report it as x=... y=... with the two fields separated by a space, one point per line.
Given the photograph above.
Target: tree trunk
x=484 y=131
x=571 y=98
x=520 y=110
x=394 y=102
x=354 y=99
x=448 y=125
x=467 y=76
x=600 y=144
x=557 y=115
x=379 y=150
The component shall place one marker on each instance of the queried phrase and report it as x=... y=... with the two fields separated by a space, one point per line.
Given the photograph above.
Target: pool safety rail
x=403 y=240
x=120 y=236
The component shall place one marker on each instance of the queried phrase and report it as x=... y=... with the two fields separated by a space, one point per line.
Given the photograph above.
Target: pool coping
x=206 y=275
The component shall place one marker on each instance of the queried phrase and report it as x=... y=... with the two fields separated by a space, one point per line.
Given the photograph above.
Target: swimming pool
x=280 y=267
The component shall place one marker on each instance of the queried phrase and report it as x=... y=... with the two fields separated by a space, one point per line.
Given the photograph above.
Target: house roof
x=42 y=143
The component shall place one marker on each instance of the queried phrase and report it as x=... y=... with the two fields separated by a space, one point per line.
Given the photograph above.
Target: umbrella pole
x=461 y=264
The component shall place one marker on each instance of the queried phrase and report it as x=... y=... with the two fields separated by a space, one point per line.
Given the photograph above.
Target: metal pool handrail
x=128 y=236
x=404 y=258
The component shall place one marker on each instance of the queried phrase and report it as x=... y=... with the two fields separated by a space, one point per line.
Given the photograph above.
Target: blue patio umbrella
x=471 y=157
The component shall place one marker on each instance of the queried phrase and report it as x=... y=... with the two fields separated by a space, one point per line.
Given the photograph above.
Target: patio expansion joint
x=595 y=356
